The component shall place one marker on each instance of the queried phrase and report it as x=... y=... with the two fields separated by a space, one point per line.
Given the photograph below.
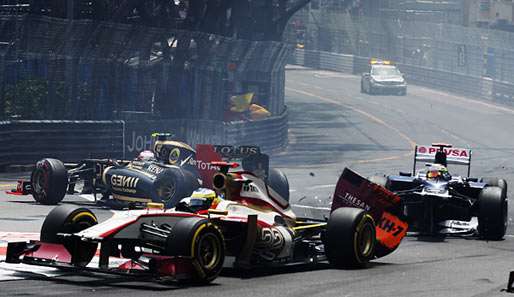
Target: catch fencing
x=483 y=88
x=470 y=61
x=54 y=68
x=441 y=46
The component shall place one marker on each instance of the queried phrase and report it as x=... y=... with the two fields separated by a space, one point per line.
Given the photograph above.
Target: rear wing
x=443 y=154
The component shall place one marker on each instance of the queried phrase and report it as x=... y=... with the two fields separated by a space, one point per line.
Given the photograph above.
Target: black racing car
x=172 y=171
x=163 y=175
x=435 y=202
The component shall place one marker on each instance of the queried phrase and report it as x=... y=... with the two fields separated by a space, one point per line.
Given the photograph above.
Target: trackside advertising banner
x=353 y=190
x=453 y=155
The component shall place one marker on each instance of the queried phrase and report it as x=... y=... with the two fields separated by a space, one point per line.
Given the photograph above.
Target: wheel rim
x=365 y=240
x=168 y=191
x=40 y=182
x=209 y=251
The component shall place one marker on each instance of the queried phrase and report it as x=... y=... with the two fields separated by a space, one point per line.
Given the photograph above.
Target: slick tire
x=69 y=219
x=171 y=186
x=495 y=182
x=49 y=181
x=350 y=238
x=492 y=213
x=198 y=239
x=277 y=180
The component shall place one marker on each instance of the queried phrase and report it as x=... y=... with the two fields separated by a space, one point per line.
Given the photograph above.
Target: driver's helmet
x=438 y=172
x=146 y=156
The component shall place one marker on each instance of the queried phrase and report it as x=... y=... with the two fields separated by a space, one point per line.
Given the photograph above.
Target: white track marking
x=18 y=236
x=321 y=187
x=310 y=207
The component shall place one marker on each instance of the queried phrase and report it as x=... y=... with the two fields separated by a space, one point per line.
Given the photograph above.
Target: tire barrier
x=25 y=142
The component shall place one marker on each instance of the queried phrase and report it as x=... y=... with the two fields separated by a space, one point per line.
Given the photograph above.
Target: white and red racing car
x=243 y=223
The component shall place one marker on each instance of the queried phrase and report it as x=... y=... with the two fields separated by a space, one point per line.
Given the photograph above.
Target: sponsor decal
x=249 y=188
x=451 y=152
x=236 y=151
x=390 y=230
x=201 y=165
x=354 y=201
x=174 y=156
x=139 y=143
x=155 y=169
x=124 y=183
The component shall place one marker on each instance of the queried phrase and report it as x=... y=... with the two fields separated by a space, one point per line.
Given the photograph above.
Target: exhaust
x=219 y=181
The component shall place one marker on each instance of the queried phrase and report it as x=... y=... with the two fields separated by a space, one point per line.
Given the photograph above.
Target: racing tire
x=350 y=238
x=379 y=180
x=203 y=242
x=171 y=187
x=495 y=182
x=49 y=181
x=277 y=180
x=492 y=213
x=70 y=219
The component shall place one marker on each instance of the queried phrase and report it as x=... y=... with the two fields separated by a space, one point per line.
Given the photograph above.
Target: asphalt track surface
x=332 y=126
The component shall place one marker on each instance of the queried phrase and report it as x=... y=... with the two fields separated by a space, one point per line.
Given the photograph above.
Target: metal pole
x=69 y=80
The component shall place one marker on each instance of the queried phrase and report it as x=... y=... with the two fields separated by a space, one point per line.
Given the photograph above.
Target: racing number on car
x=390 y=230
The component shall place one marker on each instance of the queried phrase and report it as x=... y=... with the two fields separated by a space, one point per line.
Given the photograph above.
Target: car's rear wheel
x=49 y=181
x=350 y=238
x=69 y=219
x=492 y=213
x=201 y=241
x=171 y=187
x=277 y=180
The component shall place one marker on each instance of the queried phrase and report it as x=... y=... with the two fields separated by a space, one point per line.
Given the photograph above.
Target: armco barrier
x=25 y=142
x=482 y=88
x=270 y=134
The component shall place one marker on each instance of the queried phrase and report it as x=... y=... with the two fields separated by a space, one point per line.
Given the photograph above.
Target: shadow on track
x=99 y=281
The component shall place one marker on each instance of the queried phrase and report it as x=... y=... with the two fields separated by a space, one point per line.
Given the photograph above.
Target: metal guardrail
x=270 y=134
x=25 y=142
x=483 y=88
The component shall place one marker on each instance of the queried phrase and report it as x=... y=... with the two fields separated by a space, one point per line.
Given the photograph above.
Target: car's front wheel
x=492 y=213
x=70 y=219
x=202 y=242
